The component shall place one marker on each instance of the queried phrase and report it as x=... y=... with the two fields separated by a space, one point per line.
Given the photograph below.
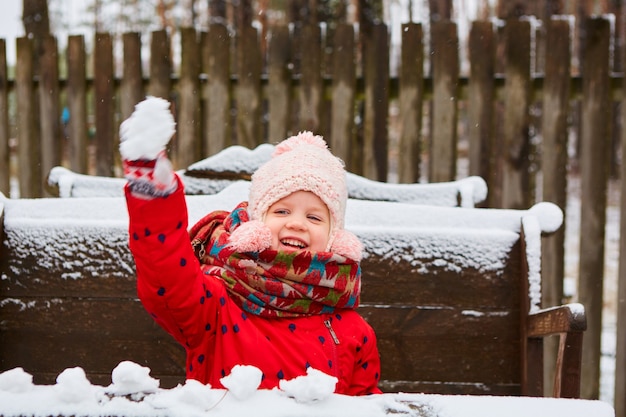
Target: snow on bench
x=235 y=163
x=453 y=294
x=133 y=392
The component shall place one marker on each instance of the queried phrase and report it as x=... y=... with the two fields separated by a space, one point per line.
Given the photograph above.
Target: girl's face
x=300 y=221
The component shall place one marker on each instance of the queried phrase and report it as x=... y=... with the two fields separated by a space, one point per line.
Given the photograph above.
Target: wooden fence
x=508 y=121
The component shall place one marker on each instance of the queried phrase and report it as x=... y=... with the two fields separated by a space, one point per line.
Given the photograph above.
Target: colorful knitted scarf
x=274 y=283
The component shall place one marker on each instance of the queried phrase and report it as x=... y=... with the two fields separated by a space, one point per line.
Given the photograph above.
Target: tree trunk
x=244 y=13
x=35 y=18
x=217 y=11
x=36 y=24
x=440 y=10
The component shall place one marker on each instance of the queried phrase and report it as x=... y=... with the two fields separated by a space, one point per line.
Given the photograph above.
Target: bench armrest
x=568 y=322
x=552 y=321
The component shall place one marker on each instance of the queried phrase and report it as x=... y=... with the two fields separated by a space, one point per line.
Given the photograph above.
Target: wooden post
x=445 y=70
x=554 y=168
x=480 y=101
x=131 y=89
x=343 y=94
x=594 y=163
x=77 y=104
x=531 y=374
x=50 y=113
x=104 y=96
x=515 y=176
x=310 y=93
x=411 y=98
x=248 y=90
x=216 y=91
x=160 y=66
x=375 y=134
x=5 y=151
x=28 y=149
x=188 y=147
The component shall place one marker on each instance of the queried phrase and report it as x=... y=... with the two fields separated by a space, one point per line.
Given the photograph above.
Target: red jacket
x=217 y=334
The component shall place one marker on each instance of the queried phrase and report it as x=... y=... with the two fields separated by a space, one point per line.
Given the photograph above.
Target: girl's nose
x=295 y=224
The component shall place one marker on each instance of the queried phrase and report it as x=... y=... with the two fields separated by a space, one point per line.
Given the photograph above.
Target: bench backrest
x=236 y=163
x=446 y=290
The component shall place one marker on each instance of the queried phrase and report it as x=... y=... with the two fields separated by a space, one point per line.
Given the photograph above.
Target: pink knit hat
x=299 y=163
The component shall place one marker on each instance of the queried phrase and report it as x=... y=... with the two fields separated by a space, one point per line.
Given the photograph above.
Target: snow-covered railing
x=235 y=163
x=453 y=294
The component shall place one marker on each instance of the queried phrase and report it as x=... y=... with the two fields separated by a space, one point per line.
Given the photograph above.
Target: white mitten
x=143 y=137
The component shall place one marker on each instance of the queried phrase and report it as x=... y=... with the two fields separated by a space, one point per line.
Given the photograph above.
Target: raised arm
x=170 y=283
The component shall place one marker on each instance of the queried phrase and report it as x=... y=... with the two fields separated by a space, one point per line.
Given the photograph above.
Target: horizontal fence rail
x=410 y=122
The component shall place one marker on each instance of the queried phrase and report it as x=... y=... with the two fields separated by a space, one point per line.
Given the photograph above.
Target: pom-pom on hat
x=299 y=163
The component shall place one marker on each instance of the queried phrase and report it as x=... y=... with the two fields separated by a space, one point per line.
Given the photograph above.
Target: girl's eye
x=280 y=211
x=315 y=218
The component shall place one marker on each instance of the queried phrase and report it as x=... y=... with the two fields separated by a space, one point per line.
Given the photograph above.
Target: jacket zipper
x=336 y=371
x=332 y=331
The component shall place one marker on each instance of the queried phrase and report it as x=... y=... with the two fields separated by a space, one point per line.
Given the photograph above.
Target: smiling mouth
x=293 y=243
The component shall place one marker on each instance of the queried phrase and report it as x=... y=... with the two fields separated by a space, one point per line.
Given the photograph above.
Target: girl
x=273 y=284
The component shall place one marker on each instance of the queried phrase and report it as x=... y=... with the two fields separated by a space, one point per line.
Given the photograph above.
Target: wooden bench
x=453 y=294
x=236 y=163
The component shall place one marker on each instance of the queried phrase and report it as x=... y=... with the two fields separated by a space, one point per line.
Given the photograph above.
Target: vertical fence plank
x=248 y=91
x=216 y=95
x=5 y=151
x=50 y=114
x=375 y=134
x=104 y=96
x=188 y=146
x=515 y=176
x=620 y=348
x=594 y=164
x=410 y=97
x=310 y=93
x=445 y=62
x=619 y=396
x=279 y=90
x=343 y=93
x=77 y=104
x=480 y=101
x=160 y=84
x=554 y=168
x=28 y=149
x=131 y=88
x=160 y=65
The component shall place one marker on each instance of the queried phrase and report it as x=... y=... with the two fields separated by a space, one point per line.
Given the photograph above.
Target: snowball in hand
x=314 y=386
x=243 y=381
x=148 y=130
